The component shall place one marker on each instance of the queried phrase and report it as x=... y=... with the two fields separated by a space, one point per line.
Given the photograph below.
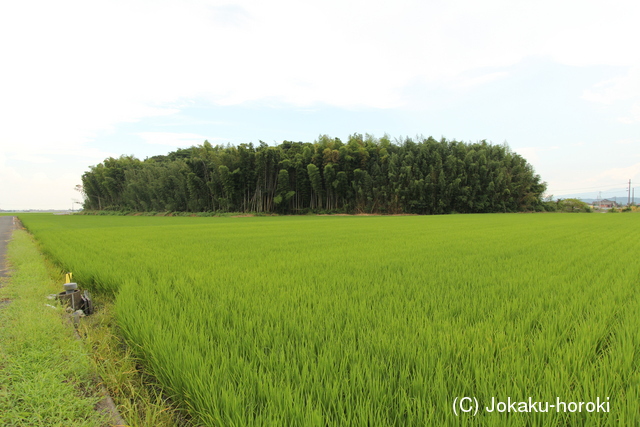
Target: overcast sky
x=80 y=81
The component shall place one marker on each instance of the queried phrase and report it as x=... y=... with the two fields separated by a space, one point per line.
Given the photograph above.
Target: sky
x=82 y=81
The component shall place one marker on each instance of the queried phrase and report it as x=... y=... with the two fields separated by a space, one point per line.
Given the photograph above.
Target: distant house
x=604 y=204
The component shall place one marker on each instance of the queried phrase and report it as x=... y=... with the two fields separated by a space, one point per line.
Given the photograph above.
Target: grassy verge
x=45 y=373
x=48 y=376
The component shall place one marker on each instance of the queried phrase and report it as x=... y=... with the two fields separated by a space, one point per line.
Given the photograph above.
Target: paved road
x=6 y=228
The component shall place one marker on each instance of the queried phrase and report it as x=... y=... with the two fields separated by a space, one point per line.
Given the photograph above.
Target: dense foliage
x=365 y=174
x=371 y=320
x=572 y=205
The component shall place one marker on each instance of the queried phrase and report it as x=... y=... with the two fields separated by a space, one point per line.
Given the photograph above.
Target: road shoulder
x=46 y=376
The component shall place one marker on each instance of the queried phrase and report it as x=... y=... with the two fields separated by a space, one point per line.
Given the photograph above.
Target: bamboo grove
x=363 y=175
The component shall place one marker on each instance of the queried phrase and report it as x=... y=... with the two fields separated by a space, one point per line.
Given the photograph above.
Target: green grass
x=45 y=376
x=371 y=320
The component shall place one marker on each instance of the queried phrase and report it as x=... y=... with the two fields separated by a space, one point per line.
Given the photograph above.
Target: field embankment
x=46 y=378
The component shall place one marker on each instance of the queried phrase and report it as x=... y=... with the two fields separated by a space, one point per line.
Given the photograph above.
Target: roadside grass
x=45 y=374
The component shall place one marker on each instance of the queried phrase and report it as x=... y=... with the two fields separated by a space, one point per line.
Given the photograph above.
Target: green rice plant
x=371 y=320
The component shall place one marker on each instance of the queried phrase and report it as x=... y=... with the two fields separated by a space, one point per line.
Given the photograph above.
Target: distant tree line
x=363 y=175
x=568 y=205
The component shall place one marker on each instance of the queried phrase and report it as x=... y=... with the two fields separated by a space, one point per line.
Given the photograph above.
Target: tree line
x=363 y=175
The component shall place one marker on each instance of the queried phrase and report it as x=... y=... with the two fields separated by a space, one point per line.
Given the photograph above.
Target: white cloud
x=534 y=154
x=481 y=80
x=23 y=189
x=117 y=61
x=617 y=89
x=627 y=141
x=633 y=117
x=100 y=64
x=172 y=139
x=621 y=174
x=32 y=159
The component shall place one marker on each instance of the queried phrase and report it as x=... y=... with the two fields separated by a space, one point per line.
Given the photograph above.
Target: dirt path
x=6 y=229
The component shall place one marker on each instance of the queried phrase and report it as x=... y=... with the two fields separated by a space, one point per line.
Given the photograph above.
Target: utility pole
x=629 y=195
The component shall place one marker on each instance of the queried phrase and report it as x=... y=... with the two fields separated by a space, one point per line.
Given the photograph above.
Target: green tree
x=573 y=205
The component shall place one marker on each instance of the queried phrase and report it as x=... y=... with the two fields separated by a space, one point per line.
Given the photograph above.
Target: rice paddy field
x=323 y=321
